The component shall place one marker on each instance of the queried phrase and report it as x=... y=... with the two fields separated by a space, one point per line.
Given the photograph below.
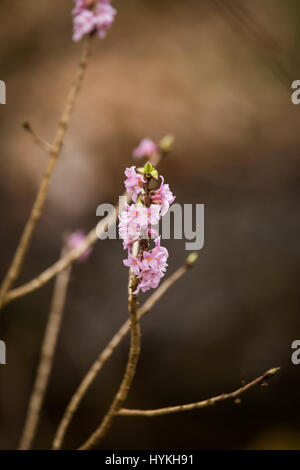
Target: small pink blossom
x=145 y=148
x=145 y=263
x=104 y=17
x=164 y=197
x=159 y=256
x=129 y=229
x=156 y=259
x=134 y=182
x=133 y=263
x=149 y=279
x=86 y=19
x=83 y=24
x=75 y=240
x=81 y=5
x=152 y=267
x=153 y=213
x=146 y=216
x=135 y=223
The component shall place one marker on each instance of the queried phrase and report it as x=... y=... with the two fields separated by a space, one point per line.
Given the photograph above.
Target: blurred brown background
x=218 y=75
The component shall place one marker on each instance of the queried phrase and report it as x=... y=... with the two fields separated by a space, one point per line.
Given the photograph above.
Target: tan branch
x=66 y=260
x=15 y=267
x=134 y=352
x=200 y=404
x=46 y=358
x=109 y=350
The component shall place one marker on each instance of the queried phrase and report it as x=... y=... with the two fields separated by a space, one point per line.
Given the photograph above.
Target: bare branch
x=134 y=352
x=109 y=350
x=15 y=267
x=46 y=358
x=201 y=404
x=66 y=260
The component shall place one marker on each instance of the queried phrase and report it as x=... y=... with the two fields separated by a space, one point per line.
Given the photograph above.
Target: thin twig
x=46 y=358
x=42 y=143
x=68 y=259
x=134 y=352
x=38 y=205
x=107 y=353
x=200 y=404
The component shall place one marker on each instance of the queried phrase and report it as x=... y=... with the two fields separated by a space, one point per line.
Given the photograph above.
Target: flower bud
x=191 y=259
x=166 y=144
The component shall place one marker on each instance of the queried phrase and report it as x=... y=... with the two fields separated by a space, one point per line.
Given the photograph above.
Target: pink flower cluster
x=134 y=185
x=136 y=222
x=134 y=182
x=163 y=196
x=149 y=268
x=86 y=20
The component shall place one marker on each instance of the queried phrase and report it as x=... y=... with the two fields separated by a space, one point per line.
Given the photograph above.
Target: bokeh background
x=217 y=74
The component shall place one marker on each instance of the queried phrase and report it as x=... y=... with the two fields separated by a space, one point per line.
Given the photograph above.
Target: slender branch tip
x=270 y=373
x=191 y=259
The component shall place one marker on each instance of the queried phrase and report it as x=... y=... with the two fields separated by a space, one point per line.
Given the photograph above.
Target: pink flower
x=129 y=229
x=81 y=5
x=83 y=24
x=159 y=256
x=104 y=17
x=153 y=213
x=146 y=216
x=145 y=263
x=133 y=263
x=75 y=240
x=86 y=20
x=134 y=182
x=152 y=267
x=156 y=259
x=135 y=222
x=163 y=196
x=145 y=148
x=149 y=279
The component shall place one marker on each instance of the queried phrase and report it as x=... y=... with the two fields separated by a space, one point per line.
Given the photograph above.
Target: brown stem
x=46 y=358
x=107 y=353
x=66 y=260
x=200 y=404
x=134 y=351
x=15 y=267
